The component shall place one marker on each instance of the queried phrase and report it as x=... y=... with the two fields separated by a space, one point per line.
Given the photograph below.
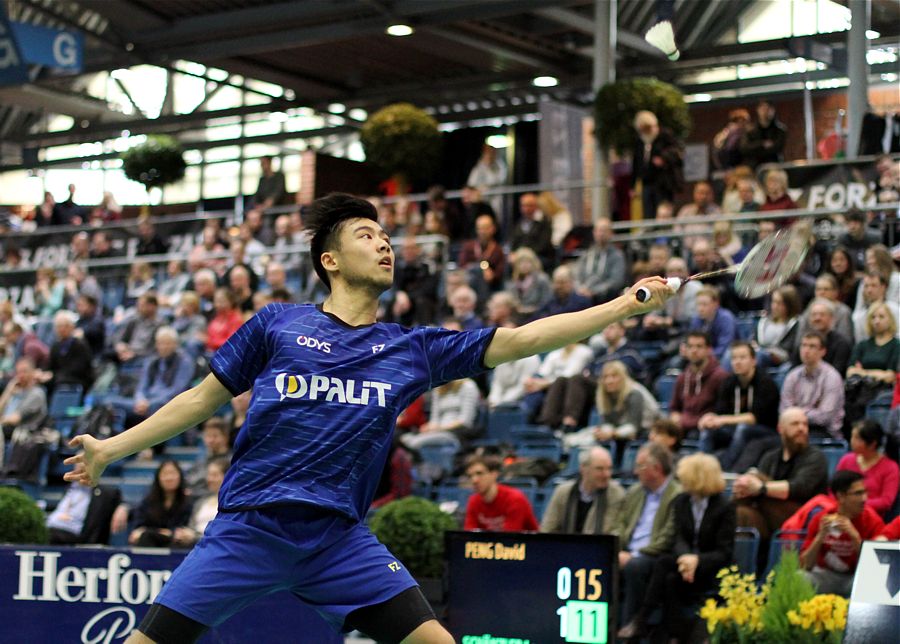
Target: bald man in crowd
x=788 y=476
x=588 y=504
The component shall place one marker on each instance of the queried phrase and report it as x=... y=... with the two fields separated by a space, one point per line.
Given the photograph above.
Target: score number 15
x=585 y=577
x=583 y=619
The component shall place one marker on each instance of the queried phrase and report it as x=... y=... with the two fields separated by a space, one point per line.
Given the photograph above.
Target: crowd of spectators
x=755 y=385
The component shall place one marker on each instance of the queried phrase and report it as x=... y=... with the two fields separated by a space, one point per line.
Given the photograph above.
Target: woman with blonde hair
x=727 y=243
x=777 y=198
x=453 y=416
x=624 y=405
x=529 y=283
x=560 y=217
x=704 y=542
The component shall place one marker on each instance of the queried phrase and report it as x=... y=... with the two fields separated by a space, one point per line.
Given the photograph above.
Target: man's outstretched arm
x=185 y=410
x=560 y=330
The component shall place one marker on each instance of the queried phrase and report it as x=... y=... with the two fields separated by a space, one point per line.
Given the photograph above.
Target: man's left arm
x=548 y=334
x=663 y=537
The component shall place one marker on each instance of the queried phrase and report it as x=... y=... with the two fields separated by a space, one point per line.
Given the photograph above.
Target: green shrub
x=21 y=521
x=617 y=103
x=789 y=588
x=155 y=163
x=413 y=530
x=401 y=139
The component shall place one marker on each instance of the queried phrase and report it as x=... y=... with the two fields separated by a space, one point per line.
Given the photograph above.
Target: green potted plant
x=21 y=520
x=403 y=142
x=413 y=529
x=617 y=103
x=155 y=163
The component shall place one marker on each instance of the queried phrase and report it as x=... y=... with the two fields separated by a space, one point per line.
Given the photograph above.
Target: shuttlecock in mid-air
x=662 y=37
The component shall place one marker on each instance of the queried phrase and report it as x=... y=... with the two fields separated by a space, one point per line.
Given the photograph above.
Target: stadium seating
x=746 y=549
x=783 y=540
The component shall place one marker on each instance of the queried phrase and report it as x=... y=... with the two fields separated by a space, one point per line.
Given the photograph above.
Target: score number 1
x=583 y=619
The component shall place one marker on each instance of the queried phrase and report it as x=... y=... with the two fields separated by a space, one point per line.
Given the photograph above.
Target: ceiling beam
x=420 y=13
x=174 y=122
x=495 y=49
x=585 y=25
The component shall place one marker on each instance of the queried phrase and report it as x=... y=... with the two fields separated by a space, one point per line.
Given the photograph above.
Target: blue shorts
x=327 y=561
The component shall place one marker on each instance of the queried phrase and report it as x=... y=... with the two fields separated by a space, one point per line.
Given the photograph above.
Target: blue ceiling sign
x=61 y=49
x=13 y=69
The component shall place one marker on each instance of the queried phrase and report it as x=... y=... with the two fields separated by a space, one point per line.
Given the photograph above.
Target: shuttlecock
x=662 y=37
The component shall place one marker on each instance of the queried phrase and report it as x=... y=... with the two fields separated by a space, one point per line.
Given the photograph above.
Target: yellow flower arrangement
x=822 y=615
x=742 y=617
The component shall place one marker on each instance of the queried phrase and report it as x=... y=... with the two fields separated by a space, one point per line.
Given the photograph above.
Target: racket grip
x=643 y=293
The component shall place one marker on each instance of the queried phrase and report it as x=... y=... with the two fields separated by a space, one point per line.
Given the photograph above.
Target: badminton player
x=328 y=383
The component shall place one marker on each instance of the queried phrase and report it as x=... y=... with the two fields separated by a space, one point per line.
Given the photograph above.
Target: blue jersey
x=326 y=396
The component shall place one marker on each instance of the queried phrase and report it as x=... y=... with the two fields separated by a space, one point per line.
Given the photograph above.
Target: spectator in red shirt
x=891 y=531
x=226 y=321
x=880 y=474
x=830 y=552
x=397 y=478
x=697 y=387
x=777 y=198
x=494 y=506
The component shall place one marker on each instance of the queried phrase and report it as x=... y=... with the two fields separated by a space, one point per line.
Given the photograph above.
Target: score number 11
x=583 y=619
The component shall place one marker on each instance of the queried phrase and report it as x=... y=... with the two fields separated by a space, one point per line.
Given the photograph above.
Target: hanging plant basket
x=155 y=163
x=402 y=141
x=617 y=103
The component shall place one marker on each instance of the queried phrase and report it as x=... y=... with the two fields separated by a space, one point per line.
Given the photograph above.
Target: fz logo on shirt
x=394 y=566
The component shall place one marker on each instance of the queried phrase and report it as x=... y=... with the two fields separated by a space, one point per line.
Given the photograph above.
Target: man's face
x=204 y=287
x=703 y=194
x=63 y=329
x=528 y=205
x=855 y=228
x=24 y=374
x=562 y=284
x=282 y=225
x=766 y=229
x=596 y=473
x=873 y=289
x=647 y=470
x=811 y=352
x=166 y=346
x=265 y=164
x=613 y=334
x=215 y=440
x=745 y=191
x=703 y=255
x=658 y=258
x=697 y=351
x=853 y=500
x=83 y=308
x=483 y=480
x=365 y=257
x=742 y=363
x=794 y=430
x=275 y=276
x=676 y=268
x=485 y=229
x=706 y=307
x=820 y=318
x=824 y=288
x=765 y=113
x=146 y=308
x=602 y=232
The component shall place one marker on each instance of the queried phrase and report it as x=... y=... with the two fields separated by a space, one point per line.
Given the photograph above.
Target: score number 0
x=583 y=619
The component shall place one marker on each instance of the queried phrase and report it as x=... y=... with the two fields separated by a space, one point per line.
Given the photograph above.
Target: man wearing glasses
x=588 y=504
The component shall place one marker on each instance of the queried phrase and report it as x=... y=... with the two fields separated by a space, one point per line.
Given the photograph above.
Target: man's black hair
x=843 y=479
x=324 y=222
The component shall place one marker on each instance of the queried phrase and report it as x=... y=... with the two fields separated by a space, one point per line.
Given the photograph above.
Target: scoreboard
x=520 y=588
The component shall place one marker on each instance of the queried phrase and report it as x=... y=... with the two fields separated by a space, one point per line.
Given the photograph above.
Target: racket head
x=772 y=262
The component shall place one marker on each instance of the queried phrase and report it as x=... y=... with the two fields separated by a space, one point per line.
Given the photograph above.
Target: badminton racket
x=768 y=265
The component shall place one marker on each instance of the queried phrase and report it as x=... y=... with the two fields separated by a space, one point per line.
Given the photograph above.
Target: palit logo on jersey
x=331 y=389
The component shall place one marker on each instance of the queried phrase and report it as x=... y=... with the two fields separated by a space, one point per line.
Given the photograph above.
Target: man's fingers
x=74 y=460
x=76 y=441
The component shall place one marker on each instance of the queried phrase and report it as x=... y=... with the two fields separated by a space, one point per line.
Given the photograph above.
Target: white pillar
x=809 y=119
x=604 y=72
x=858 y=72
